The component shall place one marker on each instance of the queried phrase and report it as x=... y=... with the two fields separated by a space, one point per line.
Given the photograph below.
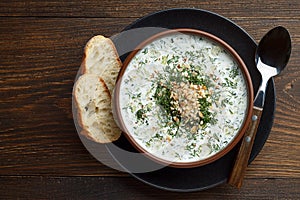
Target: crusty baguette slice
x=101 y=58
x=93 y=102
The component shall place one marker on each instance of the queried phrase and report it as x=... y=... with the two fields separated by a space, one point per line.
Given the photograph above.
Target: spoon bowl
x=275 y=48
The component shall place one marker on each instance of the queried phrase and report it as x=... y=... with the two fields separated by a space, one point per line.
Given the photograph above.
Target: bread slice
x=101 y=58
x=93 y=102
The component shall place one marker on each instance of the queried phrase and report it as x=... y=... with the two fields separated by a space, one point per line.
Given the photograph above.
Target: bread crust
x=106 y=66
x=92 y=42
x=94 y=133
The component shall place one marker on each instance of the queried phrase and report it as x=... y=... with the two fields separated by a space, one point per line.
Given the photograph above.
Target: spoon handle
x=241 y=162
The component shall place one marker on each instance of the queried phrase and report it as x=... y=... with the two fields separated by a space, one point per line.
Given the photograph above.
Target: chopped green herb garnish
x=204 y=108
x=234 y=72
x=145 y=51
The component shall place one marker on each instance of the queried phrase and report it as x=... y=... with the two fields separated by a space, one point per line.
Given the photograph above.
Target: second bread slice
x=93 y=103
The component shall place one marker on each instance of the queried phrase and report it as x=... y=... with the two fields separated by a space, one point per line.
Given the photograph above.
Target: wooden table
x=41 y=47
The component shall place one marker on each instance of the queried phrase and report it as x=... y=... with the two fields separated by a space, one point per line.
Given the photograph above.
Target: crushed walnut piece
x=185 y=99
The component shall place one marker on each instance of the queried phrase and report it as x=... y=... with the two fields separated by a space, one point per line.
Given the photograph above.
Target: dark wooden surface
x=42 y=157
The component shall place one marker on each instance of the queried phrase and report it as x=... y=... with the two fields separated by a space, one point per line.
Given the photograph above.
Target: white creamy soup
x=183 y=98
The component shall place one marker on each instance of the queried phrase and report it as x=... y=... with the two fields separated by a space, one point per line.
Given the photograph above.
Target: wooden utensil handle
x=241 y=162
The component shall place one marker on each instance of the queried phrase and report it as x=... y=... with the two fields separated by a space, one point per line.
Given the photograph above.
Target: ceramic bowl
x=183 y=98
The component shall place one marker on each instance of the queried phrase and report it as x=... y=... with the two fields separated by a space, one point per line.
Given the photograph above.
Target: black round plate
x=204 y=177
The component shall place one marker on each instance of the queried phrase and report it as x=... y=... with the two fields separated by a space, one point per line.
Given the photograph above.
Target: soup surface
x=183 y=97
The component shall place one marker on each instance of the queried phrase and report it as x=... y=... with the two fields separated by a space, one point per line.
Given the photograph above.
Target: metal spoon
x=272 y=55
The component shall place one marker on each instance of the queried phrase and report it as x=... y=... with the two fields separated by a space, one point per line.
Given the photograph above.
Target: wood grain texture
x=38 y=65
x=41 y=46
x=136 y=8
x=127 y=188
